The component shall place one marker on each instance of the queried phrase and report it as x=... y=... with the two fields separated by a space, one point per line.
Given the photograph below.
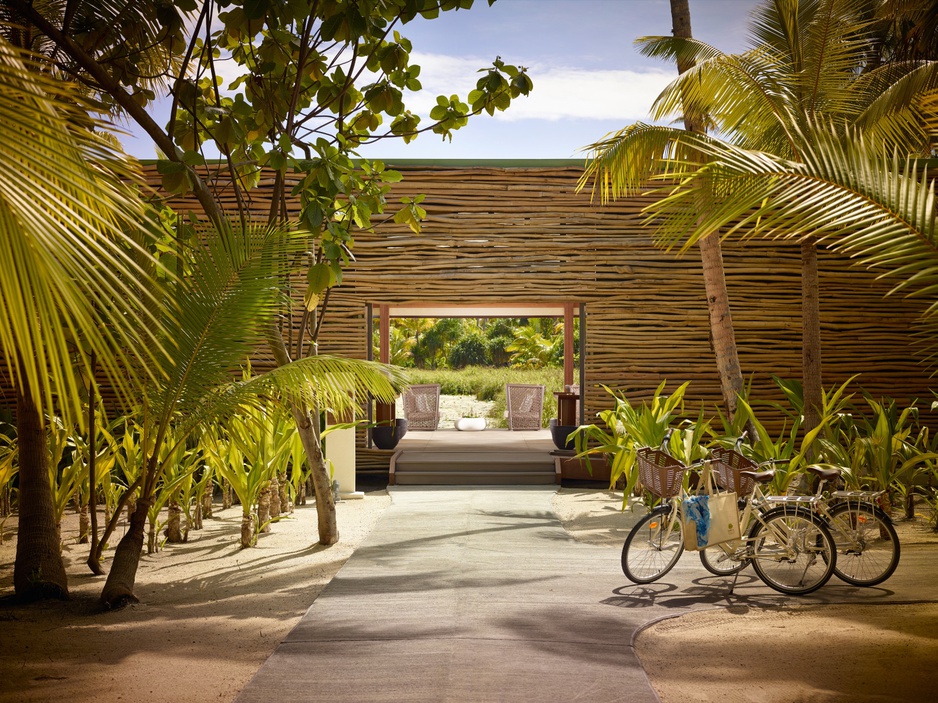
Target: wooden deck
x=489 y=457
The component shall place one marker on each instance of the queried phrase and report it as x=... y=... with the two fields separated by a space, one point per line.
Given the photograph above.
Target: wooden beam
x=568 y=344
x=384 y=334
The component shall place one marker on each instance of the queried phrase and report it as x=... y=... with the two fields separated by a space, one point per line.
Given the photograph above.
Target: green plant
x=533 y=349
x=469 y=350
x=626 y=428
x=794 y=448
x=8 y=469
x=883 y=451
x=178 y=464
x=247 y=453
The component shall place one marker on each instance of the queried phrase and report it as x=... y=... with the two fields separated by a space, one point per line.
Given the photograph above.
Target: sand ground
x=807 y=654
x=212 y=613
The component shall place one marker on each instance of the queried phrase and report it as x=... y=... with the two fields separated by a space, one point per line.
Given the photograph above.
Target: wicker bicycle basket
x=660 y=473
x=727 y=465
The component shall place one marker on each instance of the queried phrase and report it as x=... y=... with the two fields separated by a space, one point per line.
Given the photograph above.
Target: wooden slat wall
x=507 y=235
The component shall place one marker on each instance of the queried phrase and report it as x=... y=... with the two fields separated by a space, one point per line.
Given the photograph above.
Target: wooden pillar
x=384 y=334
x=568 y=344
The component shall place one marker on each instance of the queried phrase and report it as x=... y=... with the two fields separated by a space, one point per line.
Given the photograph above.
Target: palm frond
x=740 y=93
x=867 y=204
x=894 y=113
x=222 y=310
x=626 y=161
x=70 y=221
x=330 y=383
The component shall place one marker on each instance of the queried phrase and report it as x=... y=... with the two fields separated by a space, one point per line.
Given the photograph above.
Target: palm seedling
x=216 y=316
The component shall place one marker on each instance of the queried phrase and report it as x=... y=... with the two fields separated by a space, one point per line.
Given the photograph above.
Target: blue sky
x=588 y=77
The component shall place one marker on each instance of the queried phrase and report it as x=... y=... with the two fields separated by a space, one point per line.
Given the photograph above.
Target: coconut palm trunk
x=811 y=334
x=308 y=431
x=39 y=571
x=319 y=473
x=722 y=334
x=174 y=533
x=119 y=588
x=263 y=510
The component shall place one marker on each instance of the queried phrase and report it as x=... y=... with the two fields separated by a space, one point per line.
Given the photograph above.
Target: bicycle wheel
x=718 y=562
x=793 y=551
x=867 y=544
x=653 y=547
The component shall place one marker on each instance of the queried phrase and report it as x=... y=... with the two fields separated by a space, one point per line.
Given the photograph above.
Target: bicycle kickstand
x=733 y=585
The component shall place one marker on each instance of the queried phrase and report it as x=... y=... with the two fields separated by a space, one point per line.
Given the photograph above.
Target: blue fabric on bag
x=697 y=509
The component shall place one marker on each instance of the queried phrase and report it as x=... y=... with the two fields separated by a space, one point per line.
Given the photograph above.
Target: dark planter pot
x=387 y=436
x=559 y=433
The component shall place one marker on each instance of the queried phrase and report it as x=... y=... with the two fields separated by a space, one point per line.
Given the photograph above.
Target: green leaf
x=319 y=277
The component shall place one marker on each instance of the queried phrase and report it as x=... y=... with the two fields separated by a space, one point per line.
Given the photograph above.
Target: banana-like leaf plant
x=626 y=428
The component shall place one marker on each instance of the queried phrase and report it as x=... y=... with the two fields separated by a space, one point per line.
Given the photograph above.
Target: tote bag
x=710 y=518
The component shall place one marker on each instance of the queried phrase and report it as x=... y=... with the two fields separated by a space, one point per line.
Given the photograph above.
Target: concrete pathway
x=478 y=594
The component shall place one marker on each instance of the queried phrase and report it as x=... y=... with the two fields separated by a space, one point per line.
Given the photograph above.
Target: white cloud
x=559 y=92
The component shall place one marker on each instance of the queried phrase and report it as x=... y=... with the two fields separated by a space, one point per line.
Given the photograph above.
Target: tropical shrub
x=626 y=428
x=470 y=350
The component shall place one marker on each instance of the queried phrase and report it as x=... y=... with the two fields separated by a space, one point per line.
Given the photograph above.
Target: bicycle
x=867 y=543
x=865 y=539
x=791 y=548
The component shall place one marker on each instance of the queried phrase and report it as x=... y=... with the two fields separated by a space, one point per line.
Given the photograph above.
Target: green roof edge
x=462 y=163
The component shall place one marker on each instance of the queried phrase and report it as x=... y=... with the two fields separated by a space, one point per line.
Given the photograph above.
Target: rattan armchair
x=525 y=405
x=422 y=406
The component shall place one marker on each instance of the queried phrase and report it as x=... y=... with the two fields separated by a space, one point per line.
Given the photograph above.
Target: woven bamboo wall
x=523 y=235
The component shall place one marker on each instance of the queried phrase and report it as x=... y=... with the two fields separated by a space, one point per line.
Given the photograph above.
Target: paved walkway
x=478 y=594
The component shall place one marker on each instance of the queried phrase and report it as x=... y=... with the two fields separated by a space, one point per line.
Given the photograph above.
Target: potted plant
x=388 y=429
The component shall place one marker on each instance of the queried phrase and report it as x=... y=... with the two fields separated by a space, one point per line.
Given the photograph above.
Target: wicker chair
x=525 y=405
x=422 y=406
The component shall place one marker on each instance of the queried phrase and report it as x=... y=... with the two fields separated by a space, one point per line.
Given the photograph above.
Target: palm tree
x=69 y=233
x=808 y=65
x=857 y=198
x=217 y=317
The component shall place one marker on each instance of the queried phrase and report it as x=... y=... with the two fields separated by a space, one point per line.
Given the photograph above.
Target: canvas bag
x=709 y=518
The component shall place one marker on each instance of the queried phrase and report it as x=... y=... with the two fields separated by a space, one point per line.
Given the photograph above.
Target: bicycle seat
x=759 y=476
x=825 y=474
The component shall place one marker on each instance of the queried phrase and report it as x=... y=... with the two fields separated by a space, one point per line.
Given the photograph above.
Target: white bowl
x=470 y=424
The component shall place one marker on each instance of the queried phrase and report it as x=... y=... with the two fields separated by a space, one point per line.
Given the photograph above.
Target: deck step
x=473 y=468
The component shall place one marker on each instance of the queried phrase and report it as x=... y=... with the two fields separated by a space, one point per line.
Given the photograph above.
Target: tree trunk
x=112 y=520
x=722 y=335
x=151 y=538
x=174 y=524
x=84 y=524
x=131 y=505
x=119 y=587
x=263 y=510
x=93 y=562
x=309 y=435
x=274 y=493
x=319 y=473
x=39 y=571
x=811 y=335
x=196 y=516
x=207 y=501
x=285 y=505
x=225 y=495
x=247 y=530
